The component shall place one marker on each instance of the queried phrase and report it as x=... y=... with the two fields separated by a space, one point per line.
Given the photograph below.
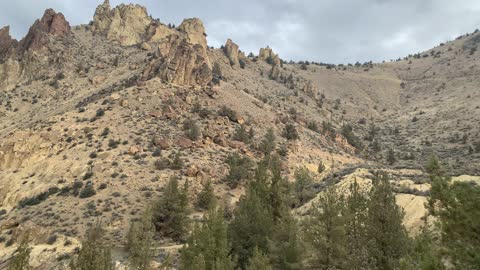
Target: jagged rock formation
x=26 y=58
x=310 y=89
x=180 y=62
x=268 y=55
x=52 y=23
x=231 y=51
x=195 y=31
x=126 y=24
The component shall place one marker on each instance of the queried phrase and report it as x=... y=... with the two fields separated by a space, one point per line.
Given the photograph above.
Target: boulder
x=268 y=55
x=220 y=140
x=164 y=144
x=310 y=89
x=184 y=143
x=231 y=51
x=192 y=171
x=134 y=149
x=145 y=46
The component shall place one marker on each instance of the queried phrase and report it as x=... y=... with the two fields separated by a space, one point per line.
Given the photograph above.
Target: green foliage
x=259 y=261
x=206 y=197
x=325 y=230
x=456 y=207
x=391 y=159
x=21 y=256
x=192 y=131
x=171 y=211
x=87 y=191
x=207 y=247
x=177 y=162
x=227 y=112
x=94 y=253
x=303 y=186
x=352 y=139
x=290 y=132
x=241 y=134
x=239 y=169
x=267 y=145
x=434 y=168
x=387 y=238
x=140 y=242
x=313 y=126
x=321 y=167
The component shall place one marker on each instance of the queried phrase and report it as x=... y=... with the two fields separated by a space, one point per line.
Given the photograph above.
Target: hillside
x=113 y=104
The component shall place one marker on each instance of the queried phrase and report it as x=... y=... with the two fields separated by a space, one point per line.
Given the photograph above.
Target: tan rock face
x=195 y=31
x=180 y=62
x=7 y=43
x=231 y=51
x=126 y=24
x=157 y=31
x=267 y=54
x=52 y=23
x=310 y=89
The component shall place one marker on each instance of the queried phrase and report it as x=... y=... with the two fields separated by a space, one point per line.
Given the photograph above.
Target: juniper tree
x=94 y=253
x=206 y=197
x=140 y=242
x=207 y=247
x=388 y=241
x=171 y=211
x=259 y=261
x=268 y=143
x=325 y=231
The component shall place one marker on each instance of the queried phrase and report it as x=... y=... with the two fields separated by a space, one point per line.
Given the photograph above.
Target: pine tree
x=259 y=261
x=426 y=254
x=94 y=253
x=207 y=247
x=303 y=186
x=355 y=215
x=325 y=230
x=286 y=249
x=21 y=257
x=171 y=211
x=456 y=207
x=268 y=143
x=140 y=242
x=387 y=238
x=206 y=197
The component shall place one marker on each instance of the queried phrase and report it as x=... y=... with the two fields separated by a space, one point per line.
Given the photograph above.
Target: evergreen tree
x=286 y=249
x=426 y=254
x=268 y=143
x=207 y=247
x=387 y=238
x=94 y=253
x=259 y=261
x=140 y=242
x=303 y=186
x=356 y=214
x=391 y=159
x=171 y=211
x=325 y=230
x=206 y=197
x=456 y=207
x=21 y=256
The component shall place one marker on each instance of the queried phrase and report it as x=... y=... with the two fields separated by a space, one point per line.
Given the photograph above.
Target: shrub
x=241 y=134
x=313 y=126
x=352 y=139
x=100 y=112
x=303 y=186
x=206 y=198
x=162 y=164
x=177 y=163
x=87 y=191
x=267 y=145
x=321 y=167
x=192 y=131
x=227 y=112
x=52 y=239
x=290 y=132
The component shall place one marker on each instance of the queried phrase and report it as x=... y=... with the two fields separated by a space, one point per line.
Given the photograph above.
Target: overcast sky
x=334 y=31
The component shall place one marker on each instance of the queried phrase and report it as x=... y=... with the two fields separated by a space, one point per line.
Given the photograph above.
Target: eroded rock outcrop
x=126 y=24
x=194 y=31
x=180 y=62
x=268 y=55
x=51 y=24
x=231 y=51
x=27 y=58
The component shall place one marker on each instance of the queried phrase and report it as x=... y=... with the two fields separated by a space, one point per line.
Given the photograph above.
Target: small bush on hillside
x=87 y=191
x=290 y=132
x=192 y=131
x=239 y=169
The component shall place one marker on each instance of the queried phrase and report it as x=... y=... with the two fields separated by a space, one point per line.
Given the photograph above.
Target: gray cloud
x=328 y=31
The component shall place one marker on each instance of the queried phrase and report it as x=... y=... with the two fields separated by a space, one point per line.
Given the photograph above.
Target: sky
x=334 y=31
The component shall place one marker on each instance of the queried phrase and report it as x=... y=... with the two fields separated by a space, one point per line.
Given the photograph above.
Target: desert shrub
x=113 y=144
x=352 y=139
x=105 y=132
x=52 y=239
x=242 y=63
x=241 y=134
x=227 y=112
x=87 y=191
x=321 y=167
x=157 y=152
x=37 y=199
x=290 y=132
x=100 y=112
x=162 y=164
x=313 y=126
x=177 y=162
x=192 y=131
x=94 y=254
